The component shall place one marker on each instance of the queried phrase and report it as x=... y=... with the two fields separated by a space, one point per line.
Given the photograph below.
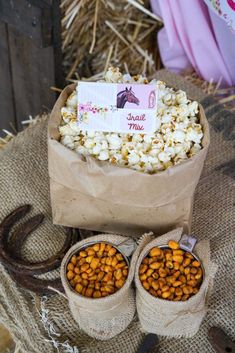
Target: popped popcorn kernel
x=72 y=100
x=103 y=156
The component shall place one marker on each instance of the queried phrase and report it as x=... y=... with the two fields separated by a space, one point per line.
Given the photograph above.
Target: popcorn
x=104 y=145
x=103 y=156
x=195 y=149
x=68 y=114
x=170 y=151
x=115 y=158
x=127 y=78
x=133 y=158
x=166 y=118
x=91 y=134
x=178 y=134
x=153 y=160
x=154 y=152
x=193 y=108
x=163 y=157
x=181 y=97
x=113 y=75
x=137 y=138
x=147 y=139
x=72 y=101
x=89 y=143
x=194 y=135
x=148 y=168
x=82 y=150
x=137 y=167
x=68 y=141
x=97 y=149
x=67 y=130
x=115 y=142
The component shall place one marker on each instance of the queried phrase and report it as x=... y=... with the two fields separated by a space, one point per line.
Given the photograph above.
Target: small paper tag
x=117 y=107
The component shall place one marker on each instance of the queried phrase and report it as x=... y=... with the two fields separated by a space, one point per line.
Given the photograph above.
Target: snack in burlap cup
x=175 y=318
x=103 y=318
x=94 y=194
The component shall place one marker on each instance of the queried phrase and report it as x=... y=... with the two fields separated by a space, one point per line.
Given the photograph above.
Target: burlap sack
x=106 y=317
x=168 y=318
x=24 y=179
x=98 y=195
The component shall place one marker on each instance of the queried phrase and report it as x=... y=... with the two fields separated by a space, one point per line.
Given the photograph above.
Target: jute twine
x=24 y=179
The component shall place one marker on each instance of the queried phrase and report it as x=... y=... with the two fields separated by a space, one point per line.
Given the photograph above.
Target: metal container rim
x=84 y=246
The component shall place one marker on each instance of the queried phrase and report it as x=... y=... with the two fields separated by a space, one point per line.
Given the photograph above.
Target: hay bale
x=100 y=33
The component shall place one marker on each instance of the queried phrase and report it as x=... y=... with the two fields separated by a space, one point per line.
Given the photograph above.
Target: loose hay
x=99 y=33
x=225 y=96
x=4 y=140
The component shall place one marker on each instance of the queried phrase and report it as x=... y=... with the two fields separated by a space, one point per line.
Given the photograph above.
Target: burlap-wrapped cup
x=103 y=318
x=169 y=318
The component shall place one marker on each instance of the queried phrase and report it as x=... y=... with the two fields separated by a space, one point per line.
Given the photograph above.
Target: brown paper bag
x=169 y=318
x=97 y=195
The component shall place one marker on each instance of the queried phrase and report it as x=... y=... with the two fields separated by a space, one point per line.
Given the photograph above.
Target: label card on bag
x=117 y=107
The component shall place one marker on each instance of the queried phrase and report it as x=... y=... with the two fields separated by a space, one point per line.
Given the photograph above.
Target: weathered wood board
x=7 y=117
x=30 y=59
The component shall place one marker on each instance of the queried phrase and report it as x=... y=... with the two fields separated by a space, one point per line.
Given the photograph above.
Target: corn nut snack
x=97 y=271
x=171 y=273
x=178 y=134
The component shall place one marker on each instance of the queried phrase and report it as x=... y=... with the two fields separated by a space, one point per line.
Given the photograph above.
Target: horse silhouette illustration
x=127 y=95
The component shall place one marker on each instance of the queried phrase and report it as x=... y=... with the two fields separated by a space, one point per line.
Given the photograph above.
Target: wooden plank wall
x=32 y=76
x=27 y=71
x=7 y=109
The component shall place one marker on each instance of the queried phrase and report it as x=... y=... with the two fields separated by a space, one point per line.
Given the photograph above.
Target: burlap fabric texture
x=24 y=179
x=168 y=318
x=106 y=317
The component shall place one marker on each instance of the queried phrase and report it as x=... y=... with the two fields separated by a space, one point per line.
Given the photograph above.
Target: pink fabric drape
x=194 y=36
